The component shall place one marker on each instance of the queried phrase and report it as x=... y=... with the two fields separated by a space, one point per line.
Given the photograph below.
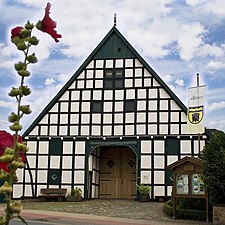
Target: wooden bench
x=58 y=194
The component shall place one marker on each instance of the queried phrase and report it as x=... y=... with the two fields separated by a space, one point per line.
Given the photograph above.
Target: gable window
x=55 y=147
x=130 y=106
x=97 y=106
x=113 y=78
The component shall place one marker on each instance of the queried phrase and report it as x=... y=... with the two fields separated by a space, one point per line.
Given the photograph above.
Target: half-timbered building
x=113 y=125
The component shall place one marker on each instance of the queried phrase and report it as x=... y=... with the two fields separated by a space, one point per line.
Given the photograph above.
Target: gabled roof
x=114 y=45
x=193 y=160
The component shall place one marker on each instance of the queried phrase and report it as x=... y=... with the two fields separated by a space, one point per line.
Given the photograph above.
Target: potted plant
x=144 y=192
x=75 y=195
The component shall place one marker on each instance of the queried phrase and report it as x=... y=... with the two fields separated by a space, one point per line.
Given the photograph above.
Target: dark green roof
x=114 y=45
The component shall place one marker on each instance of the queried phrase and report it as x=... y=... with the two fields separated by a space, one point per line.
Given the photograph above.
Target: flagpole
x=198 y=132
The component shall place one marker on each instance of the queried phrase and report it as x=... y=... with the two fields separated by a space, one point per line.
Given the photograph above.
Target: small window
x=55 y=147
x=97 y=106
x=130 y=106
x=172 y=147
x=113 y=79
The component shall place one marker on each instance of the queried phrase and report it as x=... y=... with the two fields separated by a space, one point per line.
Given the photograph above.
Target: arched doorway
x=118 y=169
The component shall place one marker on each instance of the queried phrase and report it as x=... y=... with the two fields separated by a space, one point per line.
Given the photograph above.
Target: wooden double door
x=117 y=173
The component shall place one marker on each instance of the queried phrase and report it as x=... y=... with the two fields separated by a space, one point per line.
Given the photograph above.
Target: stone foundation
x=219 y=214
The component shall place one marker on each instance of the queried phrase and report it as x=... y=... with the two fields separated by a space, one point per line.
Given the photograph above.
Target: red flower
x=16 y=31
x=7 y=140
x=47 y=25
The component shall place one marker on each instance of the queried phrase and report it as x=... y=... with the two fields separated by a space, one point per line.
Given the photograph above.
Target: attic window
x=119 y=49
x=113 y=79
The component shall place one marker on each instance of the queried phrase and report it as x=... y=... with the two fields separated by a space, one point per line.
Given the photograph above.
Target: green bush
x=184 y=213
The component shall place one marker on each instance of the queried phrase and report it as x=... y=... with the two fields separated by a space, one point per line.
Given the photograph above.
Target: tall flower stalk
x=12 y=149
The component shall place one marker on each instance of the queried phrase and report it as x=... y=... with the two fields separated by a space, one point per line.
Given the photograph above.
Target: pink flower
x=16 y=31
x=7 y=140
x=47 y=25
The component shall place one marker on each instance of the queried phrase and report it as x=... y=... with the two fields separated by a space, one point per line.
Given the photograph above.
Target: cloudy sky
x=178 y=39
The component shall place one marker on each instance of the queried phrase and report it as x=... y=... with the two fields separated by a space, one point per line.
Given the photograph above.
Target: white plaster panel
x=96 y=130
x=67 y=162
x=99 y=63
x=145 y=177
x=79 y=177
x=55 y=162
x=86 y=95
x=42 y=176
x=108 y=95
x=85 y=130
x=159 y=177
x=79 y=162
x=129 y=63
x=130 y=94
x=141 y=117
x=28 y=191
x=119 y=94
x=85 y=107
x=81 y=76
x=159 y=162
x=183 y=117
x=183 y=128
x=43 y=147
x=138 y=72
x=80 y=84
x=32 y=145
x=64 y=107
x=91 y=64
x=63 y=130
x=163 y=93
x=99 y=83
x=146 y=146
x=118 y=118
x=137 y=63
x=44 y=120
x=147 y=82
x=185 y=146
x=74 y=107
x=196 y=146
x=146 y=73
x=163 y=105
x=19 y=174
x=75 y=95
x=42 y=162
x=152 y=93
x=163 y=129
x=171 y=159
x=53 y=118
x=99 y=73
x=141 y=105
x=129 y=117
x=66 y=177
x=163 y=117
x=44 y=130
x=34 y=131
x=97 y=95
x=107 y=106
x=129 y=73
x=89 y=74
x=118 y=130
x=54 y=108
x=155 y=83
x=152 y=105
x=74 y=130
x=85 y=118
x=141 y=129
x=152 y=117
x=17 y=190
x=31 y=161
x=80 y=147
x=138 y=82
x=152 y=129
x=109 y=63
x=146 y=162
x=67 y=147
x=159 y=191
x=63 y=118
x=129 y=129
x=107 y=130
x=119 y=63
x=128 y=82
x=174 y=116
x=174 y=105
x=53 y=130
x=96 y=118
x=174 y=128
x=89 y=83
x=74 y=118
x=107 y=118
x=159 y=147
x=118 y=106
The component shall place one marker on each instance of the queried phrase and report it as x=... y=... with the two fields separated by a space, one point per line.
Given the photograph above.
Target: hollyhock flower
x=47 y=25
x=7 y=140
x=16 y=31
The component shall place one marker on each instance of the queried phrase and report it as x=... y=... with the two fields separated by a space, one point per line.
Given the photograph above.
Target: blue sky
x=178 y=39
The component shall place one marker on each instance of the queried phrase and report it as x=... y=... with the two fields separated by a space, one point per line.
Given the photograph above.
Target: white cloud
x=215 y=65
x=7 y=104
x=179 y=82
x=216 y=106
x=216 y=124
x=49 y=81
